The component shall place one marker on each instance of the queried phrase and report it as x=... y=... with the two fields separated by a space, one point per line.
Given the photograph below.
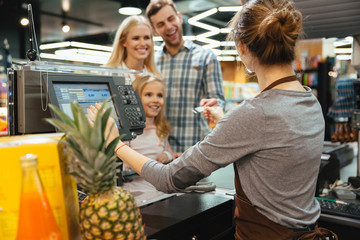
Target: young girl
x=153 y=142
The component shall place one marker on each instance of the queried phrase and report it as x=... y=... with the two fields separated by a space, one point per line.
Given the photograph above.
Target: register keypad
x=132 y=111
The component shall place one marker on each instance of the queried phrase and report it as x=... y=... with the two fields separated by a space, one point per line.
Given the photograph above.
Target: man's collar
x=187 y=44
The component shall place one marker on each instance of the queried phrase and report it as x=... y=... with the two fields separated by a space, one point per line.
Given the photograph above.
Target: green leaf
x=60 y=125
x=93 y=163
x=97 y=128
x=84 y=125
x=64 y=117
x=75 y=107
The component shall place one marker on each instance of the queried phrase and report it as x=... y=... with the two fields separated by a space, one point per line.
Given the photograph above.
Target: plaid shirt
x=191 y=74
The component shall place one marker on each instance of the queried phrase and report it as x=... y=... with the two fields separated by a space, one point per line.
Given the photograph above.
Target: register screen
x=85 y=94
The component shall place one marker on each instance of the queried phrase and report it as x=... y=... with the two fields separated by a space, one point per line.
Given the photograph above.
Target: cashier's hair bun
x=269 y=28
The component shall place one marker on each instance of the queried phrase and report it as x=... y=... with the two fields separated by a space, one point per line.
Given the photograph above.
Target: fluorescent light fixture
x=205 y=26
x=228 y=44
x=206 y=35
x=346 y=41
x=212 y=30
x=91 y=46
x=202 y=15
x=230 y=9
x=341 y=43
x=65 y=4
x=75 y=44
x=217 y=52
x=76 y=58
x=343 y=57
x=82 y=51
x=130 y=11
x=343 y=50
x=159 y=39
x=350 y=39
x=54 y=45
x=229 y=52
x=225 y=30
x=225 y=58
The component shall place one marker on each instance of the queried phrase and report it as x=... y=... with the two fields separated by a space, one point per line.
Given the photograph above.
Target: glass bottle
x=36 y=219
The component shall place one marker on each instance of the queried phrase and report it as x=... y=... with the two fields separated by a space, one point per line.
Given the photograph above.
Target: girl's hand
x=176 y=155
x=209 y=102
x=163 y=158
x=111 y=129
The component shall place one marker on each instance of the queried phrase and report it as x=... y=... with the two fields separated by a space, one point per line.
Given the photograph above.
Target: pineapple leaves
x=93 y=163
x=64 y=117
x=82 y=121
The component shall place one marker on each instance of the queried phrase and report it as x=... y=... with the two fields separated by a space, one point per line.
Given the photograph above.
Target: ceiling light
x=65 y=5
x=343 y=42
x=343 y=57
x=75 y=44
x=55 y=45
x=226 y=58
x=343 y=50
x=91 y=46
x=225 y=30
x=229 y=52
x=130 y=11
x=228 y=43
x=24 y=21
x=202 y=15
x=76 y=58
x=230 y=9
x=65 y=28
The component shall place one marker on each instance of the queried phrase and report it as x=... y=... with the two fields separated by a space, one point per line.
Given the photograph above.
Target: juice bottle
x=36 y=219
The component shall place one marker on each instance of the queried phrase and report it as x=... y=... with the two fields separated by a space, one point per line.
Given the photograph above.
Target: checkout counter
x=343 y=162
x=193 y=215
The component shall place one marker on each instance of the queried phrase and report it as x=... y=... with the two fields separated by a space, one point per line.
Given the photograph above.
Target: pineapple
x=107 y=212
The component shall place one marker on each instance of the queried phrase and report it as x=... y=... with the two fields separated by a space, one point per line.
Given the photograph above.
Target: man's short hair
x=155 y=6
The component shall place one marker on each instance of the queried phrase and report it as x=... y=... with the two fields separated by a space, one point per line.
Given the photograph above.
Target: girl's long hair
x=161 y=122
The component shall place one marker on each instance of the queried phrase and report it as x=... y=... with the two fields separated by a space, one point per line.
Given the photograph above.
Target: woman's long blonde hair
x=161 y=122
x=119 y=53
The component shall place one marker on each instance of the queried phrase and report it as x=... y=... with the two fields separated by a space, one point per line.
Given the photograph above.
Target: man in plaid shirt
x=192 y=75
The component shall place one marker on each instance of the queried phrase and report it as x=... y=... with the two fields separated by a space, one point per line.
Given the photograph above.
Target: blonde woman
x=133 y=48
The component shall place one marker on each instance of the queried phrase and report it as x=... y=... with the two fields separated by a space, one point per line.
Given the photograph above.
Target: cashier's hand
x=208 y=102
x=164 y=158
x=213 y=114
x=111 y=130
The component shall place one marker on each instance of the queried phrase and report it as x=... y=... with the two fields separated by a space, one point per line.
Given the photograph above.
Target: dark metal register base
x=190 y=216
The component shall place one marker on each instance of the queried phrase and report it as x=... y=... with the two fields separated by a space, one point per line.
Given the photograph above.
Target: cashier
x=274 y=140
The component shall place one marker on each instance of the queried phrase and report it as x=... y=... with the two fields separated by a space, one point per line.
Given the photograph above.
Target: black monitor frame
x=54 y=78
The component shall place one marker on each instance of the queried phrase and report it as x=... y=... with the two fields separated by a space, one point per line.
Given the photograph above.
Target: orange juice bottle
x=36 y=219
